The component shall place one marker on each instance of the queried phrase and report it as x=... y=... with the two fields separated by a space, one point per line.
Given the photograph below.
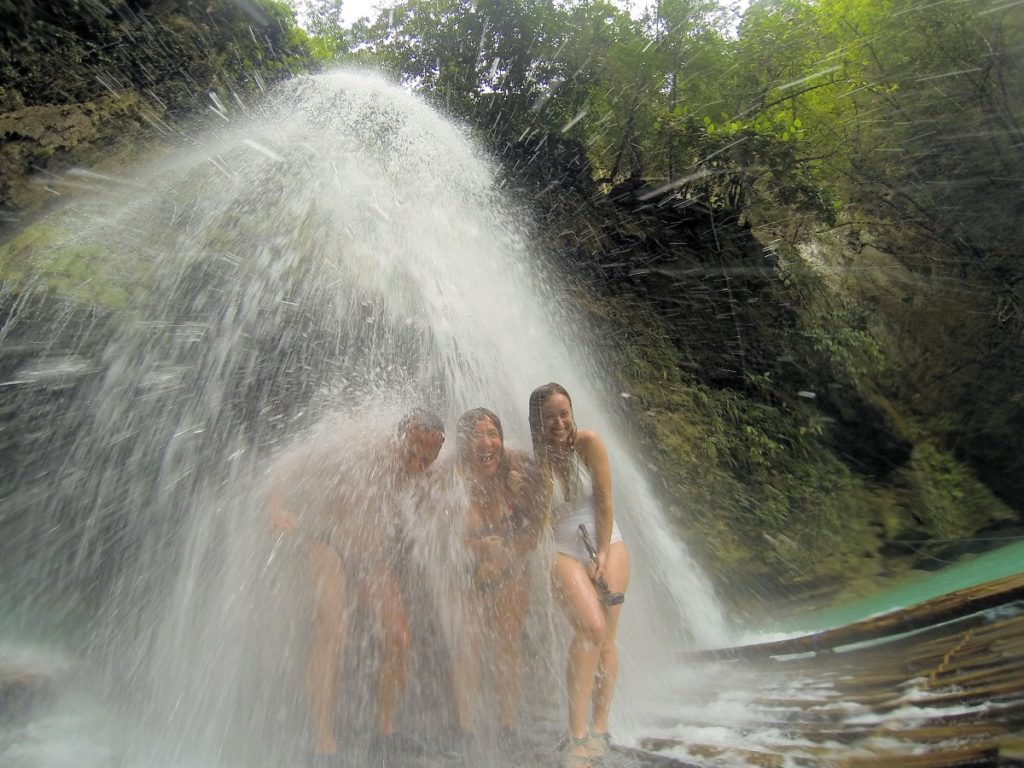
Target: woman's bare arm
x=592 y=451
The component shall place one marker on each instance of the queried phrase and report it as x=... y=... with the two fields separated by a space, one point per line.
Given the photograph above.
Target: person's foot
x=600 y=743
x=577 y=753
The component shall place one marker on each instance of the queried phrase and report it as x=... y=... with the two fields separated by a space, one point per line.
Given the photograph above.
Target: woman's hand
x=596 y=567
x=516 y=481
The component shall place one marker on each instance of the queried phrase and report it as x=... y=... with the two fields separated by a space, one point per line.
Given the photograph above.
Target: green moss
x=46 y=257
x=760 y=500
x=946 y=500
x=79 y=85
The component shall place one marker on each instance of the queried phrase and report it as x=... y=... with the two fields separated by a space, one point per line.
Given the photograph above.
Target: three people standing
x=509 y=500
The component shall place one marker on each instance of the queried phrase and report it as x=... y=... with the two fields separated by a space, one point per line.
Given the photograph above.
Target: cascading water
x=341 y=255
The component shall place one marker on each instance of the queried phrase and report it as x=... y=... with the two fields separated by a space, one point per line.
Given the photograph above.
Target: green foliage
x=174 y=52
x=837 y=330
x=741 y=166
x=947 y=501
x=329 y=38
x=512 y=66
x=808 y=112
x=633 y=92
x=913 y=111
x=79 y=77
x=761 y=500
x=805 y=106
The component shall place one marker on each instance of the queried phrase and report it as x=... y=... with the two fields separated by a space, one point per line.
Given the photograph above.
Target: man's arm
x=281 y=480
x=594 y=454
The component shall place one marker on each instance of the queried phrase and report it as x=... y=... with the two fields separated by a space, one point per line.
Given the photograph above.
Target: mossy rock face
x=46 y=257
x=86 y=81
x=919 y=304
x=947 y=500
x=801 y=477
x=52 y=127
x=759 y=498
x=38 y=137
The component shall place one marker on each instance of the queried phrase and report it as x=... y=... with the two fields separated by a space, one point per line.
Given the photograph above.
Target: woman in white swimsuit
x=574 y=469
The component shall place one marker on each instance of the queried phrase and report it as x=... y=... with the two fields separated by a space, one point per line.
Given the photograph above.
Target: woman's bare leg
x=507 y=627
x=583 y=610
x=617 y=576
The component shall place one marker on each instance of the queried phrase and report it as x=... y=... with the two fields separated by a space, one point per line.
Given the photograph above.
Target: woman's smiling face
x=556 y=419
x=485 y=447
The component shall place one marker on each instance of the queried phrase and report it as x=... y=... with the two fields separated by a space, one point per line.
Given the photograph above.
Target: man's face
x=419 y=448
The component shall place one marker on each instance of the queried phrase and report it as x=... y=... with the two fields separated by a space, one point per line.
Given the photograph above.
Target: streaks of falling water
x=342 y=256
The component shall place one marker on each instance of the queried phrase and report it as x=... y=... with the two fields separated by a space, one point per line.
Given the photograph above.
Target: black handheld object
x=607 y=596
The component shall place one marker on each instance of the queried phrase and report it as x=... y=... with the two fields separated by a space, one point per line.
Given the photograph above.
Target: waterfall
x=331 y=258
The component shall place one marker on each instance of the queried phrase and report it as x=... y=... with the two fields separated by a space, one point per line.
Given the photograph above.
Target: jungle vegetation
x=800 y=225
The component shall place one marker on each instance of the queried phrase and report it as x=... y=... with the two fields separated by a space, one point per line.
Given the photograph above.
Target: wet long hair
x=538 y=398
x=520 y=505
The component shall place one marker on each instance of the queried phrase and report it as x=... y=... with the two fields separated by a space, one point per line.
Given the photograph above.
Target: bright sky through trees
x=352 y=10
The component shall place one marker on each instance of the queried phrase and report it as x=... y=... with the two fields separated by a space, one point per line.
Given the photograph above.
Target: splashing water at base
x=337 y=260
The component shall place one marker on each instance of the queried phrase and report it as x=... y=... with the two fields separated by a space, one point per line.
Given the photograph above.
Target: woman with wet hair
x=500 y=529
x=576 y=481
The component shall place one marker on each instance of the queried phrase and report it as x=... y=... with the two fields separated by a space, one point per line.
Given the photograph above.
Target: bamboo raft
x=936 y=685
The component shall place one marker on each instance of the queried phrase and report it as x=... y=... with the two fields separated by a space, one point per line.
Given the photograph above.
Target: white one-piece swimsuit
x=570 y=509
